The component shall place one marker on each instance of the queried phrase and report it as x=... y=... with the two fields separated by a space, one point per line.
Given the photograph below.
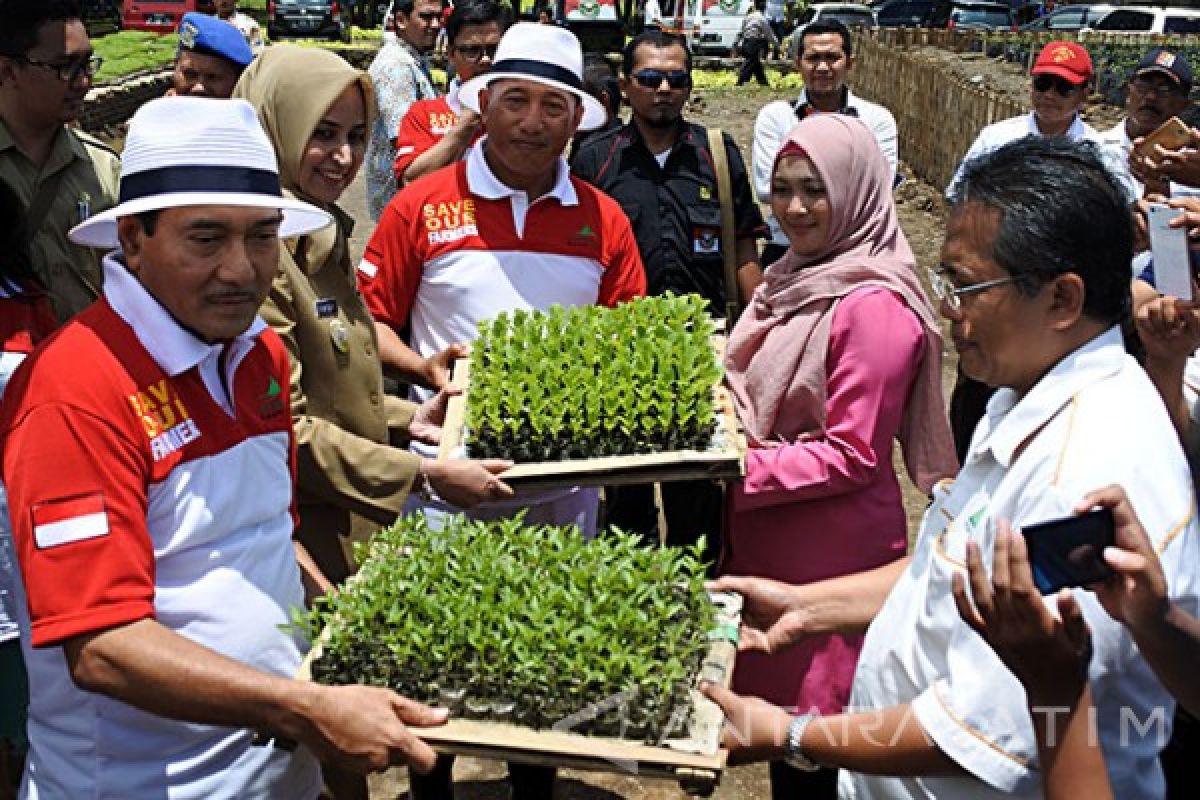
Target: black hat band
x=538 y=69
x=217 y=179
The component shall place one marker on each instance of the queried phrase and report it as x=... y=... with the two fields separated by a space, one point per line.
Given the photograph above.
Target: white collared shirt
x=482 y=182
x=173 y=347
x=1093 y=420
x=1000 y=133
x=776 y=120
x=173 y=503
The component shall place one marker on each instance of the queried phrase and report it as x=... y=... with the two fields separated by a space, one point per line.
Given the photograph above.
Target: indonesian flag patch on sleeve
x=72 y=519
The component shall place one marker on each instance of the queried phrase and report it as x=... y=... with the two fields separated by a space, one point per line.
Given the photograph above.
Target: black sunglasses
x=1044 y=83
x=476 y=52
x=653 y=78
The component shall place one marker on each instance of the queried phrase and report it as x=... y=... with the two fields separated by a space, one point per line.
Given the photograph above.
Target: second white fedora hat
x=546 y=54
x=197 y=151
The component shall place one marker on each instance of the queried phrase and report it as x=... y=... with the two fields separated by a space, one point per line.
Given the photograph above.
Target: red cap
x=1068 y=60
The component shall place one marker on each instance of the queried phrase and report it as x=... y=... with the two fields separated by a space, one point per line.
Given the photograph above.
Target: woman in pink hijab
x=838 y=355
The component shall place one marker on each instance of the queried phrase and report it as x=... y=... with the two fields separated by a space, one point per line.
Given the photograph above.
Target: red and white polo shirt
x=150 y=476
x=425 y=124
x=458 y=246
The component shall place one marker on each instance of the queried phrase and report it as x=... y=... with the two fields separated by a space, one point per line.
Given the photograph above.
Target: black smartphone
x=1070 y=551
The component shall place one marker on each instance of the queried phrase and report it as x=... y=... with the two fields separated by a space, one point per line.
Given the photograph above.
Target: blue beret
x=201 y=33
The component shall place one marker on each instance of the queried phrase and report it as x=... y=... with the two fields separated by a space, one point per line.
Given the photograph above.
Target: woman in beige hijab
x=353 y=470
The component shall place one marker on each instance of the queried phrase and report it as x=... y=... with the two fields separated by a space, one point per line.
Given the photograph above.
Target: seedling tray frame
x=725 y=461
x=696 y=761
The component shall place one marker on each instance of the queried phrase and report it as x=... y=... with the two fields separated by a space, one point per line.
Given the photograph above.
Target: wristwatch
x=795 y=758
x=422 y=488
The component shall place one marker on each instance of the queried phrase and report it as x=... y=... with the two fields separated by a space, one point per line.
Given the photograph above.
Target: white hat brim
x=594 y=115
x=299 y=218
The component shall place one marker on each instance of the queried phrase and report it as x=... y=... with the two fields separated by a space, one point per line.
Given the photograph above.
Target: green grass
x=128 y=52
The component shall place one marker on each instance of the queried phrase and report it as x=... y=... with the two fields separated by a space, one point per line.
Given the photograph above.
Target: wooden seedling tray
x=696 y=761
x=727 y=460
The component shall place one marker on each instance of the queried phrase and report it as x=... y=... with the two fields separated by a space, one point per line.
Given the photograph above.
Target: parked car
x=720 y=24
x=1148 y=19
x=903 y=13
x=316 y=19
x=971 y=14
x=102 y=12
x=852 y=14
x=160 y=16
x=1070 y=18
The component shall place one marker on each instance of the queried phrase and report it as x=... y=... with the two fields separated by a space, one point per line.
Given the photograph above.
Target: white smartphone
x=1169 y=246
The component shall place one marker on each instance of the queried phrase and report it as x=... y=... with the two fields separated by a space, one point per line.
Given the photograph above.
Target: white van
x=720 y=24
x=1150 y=19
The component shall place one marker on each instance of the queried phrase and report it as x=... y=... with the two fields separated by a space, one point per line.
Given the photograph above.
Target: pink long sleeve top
x=830 y=505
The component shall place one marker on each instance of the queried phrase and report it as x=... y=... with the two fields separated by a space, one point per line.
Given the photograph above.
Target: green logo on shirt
x=273 y=388
x=978 y=515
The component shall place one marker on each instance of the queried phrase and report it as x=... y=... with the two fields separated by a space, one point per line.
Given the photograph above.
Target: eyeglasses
x=475 y=52
x=952 y=295
x=653 y=78
x=1146 y=85
x=69 y=71
x=1044 y=83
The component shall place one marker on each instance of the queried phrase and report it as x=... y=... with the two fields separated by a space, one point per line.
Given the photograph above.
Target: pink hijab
x=775 y=358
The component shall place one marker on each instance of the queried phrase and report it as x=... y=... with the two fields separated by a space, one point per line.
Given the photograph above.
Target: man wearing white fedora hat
x=148 y=452
x=445 y=253
x=506 y=228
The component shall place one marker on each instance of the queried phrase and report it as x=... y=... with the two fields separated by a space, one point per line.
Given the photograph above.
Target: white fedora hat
x=546 y=54
x=197 y=151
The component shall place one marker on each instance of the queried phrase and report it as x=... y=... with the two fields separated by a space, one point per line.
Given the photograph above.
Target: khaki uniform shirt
x=90 y=177
x=345 y=424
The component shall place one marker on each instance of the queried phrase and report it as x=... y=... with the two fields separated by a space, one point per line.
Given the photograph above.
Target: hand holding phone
x=1069 y=552
x=1173 y=134
x=1169 y=246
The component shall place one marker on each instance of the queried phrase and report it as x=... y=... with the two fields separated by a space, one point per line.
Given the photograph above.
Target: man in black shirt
x=659 y=168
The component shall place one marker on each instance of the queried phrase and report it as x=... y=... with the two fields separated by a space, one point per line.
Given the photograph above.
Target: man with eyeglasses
x=401 y=77
x=1034 y=286
x=61 y=174
x=1060 y=80
x=438 y=131
x=659 y=168
x=1157 y=90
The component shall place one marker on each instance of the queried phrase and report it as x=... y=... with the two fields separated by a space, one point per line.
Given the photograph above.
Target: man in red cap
x=1061 y=78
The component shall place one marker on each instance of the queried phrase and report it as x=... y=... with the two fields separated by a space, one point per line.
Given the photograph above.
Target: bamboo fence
x=938 y=116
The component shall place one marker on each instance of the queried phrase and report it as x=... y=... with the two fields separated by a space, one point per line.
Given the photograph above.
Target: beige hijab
x=292 y=87
x=775 y=359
